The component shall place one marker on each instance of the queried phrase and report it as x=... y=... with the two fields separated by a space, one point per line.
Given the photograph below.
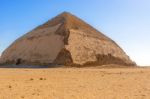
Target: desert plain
x=75 y=83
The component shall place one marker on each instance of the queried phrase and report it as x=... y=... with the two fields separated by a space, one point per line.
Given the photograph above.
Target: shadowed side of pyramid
x=65 y=40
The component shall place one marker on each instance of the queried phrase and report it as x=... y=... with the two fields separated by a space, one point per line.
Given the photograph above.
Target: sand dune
x=75 y=83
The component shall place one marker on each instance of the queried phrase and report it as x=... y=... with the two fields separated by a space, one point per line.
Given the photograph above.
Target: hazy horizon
x=126 y=22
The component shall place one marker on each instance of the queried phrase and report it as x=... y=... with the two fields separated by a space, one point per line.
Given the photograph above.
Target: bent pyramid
x=65 y=40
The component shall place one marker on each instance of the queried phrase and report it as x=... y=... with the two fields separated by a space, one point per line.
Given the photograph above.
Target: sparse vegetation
x=42 y=78
x=9 y=86
x=31 y=79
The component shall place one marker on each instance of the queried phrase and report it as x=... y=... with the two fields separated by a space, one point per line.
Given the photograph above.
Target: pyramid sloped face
x=90 y=50
x=65 y=40
x=40 y=46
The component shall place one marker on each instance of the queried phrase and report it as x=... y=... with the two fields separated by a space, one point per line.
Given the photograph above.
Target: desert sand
x=75 y=83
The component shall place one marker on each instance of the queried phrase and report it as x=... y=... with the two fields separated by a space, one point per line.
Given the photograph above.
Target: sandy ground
x=75 y=83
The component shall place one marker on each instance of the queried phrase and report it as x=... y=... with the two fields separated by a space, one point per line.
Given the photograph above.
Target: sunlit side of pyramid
x=65 y=40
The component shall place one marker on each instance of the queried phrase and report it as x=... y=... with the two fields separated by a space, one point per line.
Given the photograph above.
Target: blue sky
x=125 y=21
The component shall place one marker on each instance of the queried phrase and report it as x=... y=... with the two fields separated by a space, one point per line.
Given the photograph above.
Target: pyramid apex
x=65 y=14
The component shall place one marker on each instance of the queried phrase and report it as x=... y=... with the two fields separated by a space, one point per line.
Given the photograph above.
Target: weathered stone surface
x=65 y=40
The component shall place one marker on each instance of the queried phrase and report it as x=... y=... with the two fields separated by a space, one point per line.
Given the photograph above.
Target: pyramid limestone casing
x=65 y=40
